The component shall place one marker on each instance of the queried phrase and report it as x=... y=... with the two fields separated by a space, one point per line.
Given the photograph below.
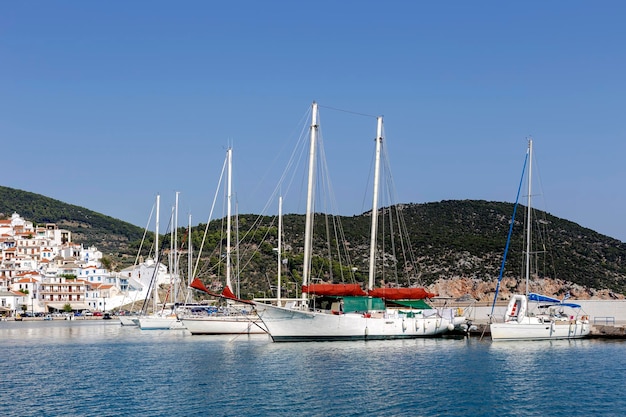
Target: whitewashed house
x=11 y=302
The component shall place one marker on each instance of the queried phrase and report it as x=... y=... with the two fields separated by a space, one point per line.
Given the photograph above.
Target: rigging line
x=367 y=182
x=391 y=210
x=247 y=258
x=206 y=229
x=347 y=111
x=155 y=273
x=541 y=226
x=340 y=236
x=303 y=125
x=331 y=206
x=248 y=238
x=143 y=239
x=295 y=160
x=395 y=212
x=508 y=239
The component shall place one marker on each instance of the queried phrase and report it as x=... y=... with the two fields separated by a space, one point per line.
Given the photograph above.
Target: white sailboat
x=160 y=319
x=554 y=319
x=129 y=319
x=238 y=316
x=353 y=313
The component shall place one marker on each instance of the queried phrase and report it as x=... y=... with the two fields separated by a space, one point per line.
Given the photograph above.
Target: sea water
x=100 y=368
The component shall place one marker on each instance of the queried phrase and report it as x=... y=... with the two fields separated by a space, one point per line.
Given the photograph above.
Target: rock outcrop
x=484 y=290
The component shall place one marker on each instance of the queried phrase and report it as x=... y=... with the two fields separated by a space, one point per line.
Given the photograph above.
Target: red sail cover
x=401 y=293
x=334 y=289
x=198 y=285
x=226 y=292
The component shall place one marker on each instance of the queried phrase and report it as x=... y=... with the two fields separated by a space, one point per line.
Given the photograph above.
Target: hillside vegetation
x=451 y=240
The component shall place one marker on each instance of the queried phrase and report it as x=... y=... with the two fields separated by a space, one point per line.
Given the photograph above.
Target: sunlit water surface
x=100 y=368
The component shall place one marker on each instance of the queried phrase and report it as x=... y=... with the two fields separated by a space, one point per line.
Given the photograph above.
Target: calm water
x=99 y=368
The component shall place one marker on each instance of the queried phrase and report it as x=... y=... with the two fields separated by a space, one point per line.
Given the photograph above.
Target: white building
x=28 y=283
x=43 y=261
x=11 y=302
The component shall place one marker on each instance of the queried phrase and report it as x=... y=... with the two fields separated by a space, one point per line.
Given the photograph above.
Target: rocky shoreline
x=480 y=290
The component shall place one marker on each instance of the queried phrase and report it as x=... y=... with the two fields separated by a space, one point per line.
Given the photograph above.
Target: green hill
x=458 y=239
x=111 y=236
x=451 y=239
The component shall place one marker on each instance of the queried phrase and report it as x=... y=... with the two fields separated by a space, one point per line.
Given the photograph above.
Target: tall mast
x=374 y=228
x=528 y=214
x=308 y=231
x=157 y=256
x=238 y=272
x=176 y=274
x=280 y=244
x=189 y=254
x=229 y=156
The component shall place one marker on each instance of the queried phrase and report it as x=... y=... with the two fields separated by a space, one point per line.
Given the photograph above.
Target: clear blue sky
x=105 y=104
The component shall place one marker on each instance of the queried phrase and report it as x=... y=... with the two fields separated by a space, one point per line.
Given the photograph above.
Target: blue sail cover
x=571 y=305
x=542 y=298
x=545 y=299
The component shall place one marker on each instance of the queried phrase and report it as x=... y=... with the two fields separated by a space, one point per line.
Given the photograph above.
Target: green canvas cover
x=351 y=304
x=421 y=304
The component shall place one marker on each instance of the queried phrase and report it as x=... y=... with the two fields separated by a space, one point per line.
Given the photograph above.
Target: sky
x=104 y=105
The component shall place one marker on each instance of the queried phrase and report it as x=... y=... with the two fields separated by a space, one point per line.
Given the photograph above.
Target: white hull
x=552 y=325
x=286 y=324
x=160 y=323
x=534 y=328
x=241 y=324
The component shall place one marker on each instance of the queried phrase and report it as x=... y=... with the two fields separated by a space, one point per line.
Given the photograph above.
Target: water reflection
x=94 y=367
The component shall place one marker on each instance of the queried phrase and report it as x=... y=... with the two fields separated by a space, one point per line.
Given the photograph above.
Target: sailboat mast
x=528 y=214
x=308 y=231
x=229 y=156
x=280 y=244
x=189 y=254
x=157 y=257
x=176 y=274
x=374 y=228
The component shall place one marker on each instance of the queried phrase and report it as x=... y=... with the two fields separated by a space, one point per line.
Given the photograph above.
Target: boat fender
x=450 y=326
x=367 y=315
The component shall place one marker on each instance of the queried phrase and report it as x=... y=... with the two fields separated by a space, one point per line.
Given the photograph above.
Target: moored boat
x=237 y=316
x=329 y=311
x=553 y=318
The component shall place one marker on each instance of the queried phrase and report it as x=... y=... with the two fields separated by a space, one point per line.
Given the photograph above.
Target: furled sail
x=334 y=289
x=401 y=293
